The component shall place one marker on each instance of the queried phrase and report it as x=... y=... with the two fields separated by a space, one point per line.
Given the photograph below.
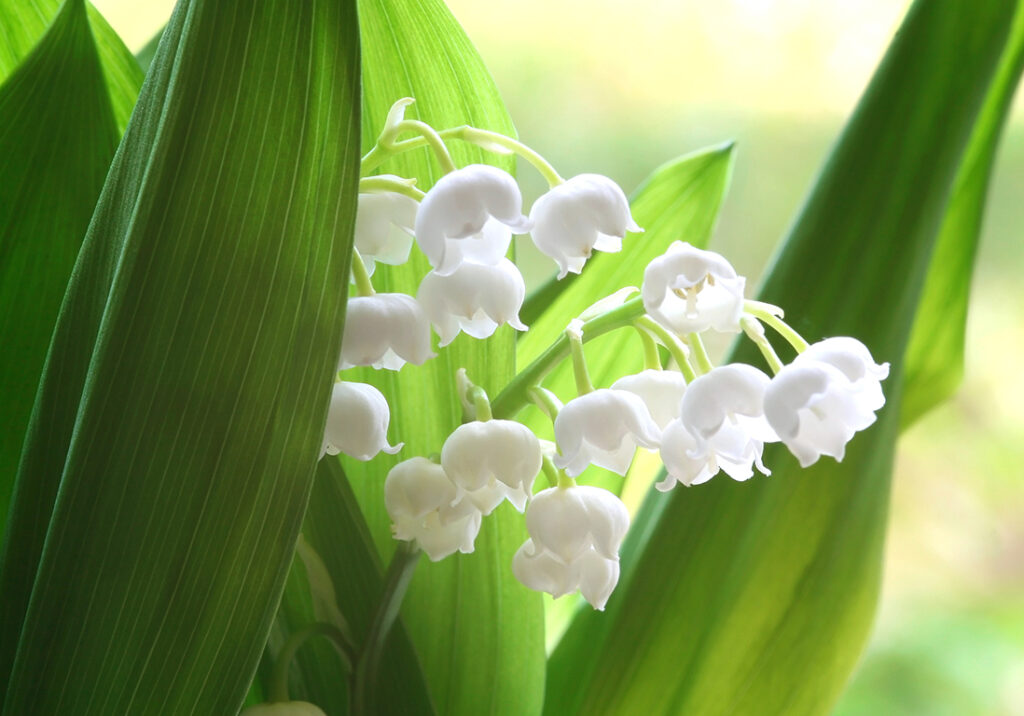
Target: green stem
x=699 y=352
x=546 y=401
x=364 y=286
x=677 y=349
x=772 y=316
x=396 y=582
x=515 y=396
x=755 y=332
x=386 y=147
x=481 y=405
x=652 y=359
x=564 y=480
x=579 y=363
x=552 y=473
x=433 y=140
x=278 y=690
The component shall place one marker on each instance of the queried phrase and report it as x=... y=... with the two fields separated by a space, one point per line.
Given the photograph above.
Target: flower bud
x=385 y=330
x=474 y=298
x=468 y=214
x=423 y=506
x=572 y=219
x=690 y=290
x=604 y=428
x=357 y=422
x=491 y=460
x=384 y=223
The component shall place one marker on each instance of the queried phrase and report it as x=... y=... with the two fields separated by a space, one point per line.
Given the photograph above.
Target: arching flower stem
x=755 y=332
x=406 y=187
x=579 y=361
x=699 y=352
x=364 y=286
x=679 y=351
x=516 y=394
x=279 y=676
x=553 y=474
x=652 y=359
x=387 y=145
x=544 y=399
x=772 y=316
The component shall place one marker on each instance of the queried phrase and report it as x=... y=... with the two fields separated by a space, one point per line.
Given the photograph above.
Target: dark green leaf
x=757 y=598
x=185 y=392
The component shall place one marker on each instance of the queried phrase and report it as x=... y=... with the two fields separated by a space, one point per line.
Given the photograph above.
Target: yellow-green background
x=617 y=88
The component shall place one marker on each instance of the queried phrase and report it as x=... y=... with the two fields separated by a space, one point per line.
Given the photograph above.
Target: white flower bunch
x=701 y=419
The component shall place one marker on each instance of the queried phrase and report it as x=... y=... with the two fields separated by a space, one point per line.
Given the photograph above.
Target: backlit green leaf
x=185 y=392
x=757 y=598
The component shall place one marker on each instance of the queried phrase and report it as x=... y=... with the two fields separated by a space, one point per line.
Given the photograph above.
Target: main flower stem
x=515 y=396
x=396 y=582
x=278 y=690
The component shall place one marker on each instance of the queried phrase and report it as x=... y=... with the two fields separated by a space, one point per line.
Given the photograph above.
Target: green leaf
x=145 y=56
x=478 y=632
x=22 y=23
x=185 y=392
x=60 y=122
x=757 y=598
x=935 y=356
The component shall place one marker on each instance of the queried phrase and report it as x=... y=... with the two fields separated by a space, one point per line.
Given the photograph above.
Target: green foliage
x=61 y=116
x=757 y=598
x=184 y=395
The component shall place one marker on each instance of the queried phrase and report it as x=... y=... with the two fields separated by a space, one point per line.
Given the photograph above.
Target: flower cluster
x=701 y=419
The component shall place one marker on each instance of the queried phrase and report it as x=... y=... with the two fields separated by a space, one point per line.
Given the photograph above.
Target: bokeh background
x=620 y=87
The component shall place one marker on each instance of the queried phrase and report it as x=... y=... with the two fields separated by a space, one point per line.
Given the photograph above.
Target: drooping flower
x=690 y=290
x=575 y=535
x=385 y=330
x=828 y=393
x=604 y=428
x=474 y=298
x=384 y=224
x=724 y=412
x=422 y=503
x=661 y=390
x=492 y=460
x=283 y=708
x=357 y=422
x=469 y=214
x=580 y=215
x=678 y=446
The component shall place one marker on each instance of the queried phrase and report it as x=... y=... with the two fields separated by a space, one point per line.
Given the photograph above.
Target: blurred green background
x=618 y=88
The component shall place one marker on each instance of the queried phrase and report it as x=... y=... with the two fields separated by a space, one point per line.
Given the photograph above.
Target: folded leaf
x=184 y=397
x=757 y=598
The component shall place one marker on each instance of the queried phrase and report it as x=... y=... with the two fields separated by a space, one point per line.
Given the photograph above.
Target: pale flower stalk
x=573 y=219
x=474 y=299
x=357 y=422
x=385 y=330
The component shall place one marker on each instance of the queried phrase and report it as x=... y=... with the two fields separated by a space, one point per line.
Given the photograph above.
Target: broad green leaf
x=935 y=356
x=478 y=633
x=22 y=23
x=757 y=597
x=60 y=122
x=145 y=56
x=183 y=401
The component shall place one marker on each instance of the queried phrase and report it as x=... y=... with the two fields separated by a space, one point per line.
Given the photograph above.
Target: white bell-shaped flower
x=283 y=708
x=474 y=298
x=580 y=215
x=469 y=214
x=384 y=224
x=817 y=402
x=604 y=428
x=679 y=446
x=575 y=535
x=492 y=460
x=385 y=330
x=422 y=503
x=690 y=290
x=661 y=390
x=855 y=361
x=724 y=412
x=357 y=422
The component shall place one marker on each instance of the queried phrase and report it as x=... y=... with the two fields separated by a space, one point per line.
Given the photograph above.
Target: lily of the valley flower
x=357 y=422
x=385 y=330
x=575 y=535
x=474 y=298
x=724 y=411
x=422 y=503
x=580 y=215
x=661 y=390
x=690 y=290
x=828 y=393
x=491 y=460
x=384 y=224
x=604 y=428
x=469 y=214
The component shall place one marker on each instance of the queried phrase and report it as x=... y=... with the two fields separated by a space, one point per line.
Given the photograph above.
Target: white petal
x=478 y=455
x=415 y=488
x=566 y=521
x=597 y=578
x=676 y=445
x=384 y=224
x=357 y=422
x=734 y=389
x=385 y=330
x=712 y=292
x=661 y=390
x=542 y=571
